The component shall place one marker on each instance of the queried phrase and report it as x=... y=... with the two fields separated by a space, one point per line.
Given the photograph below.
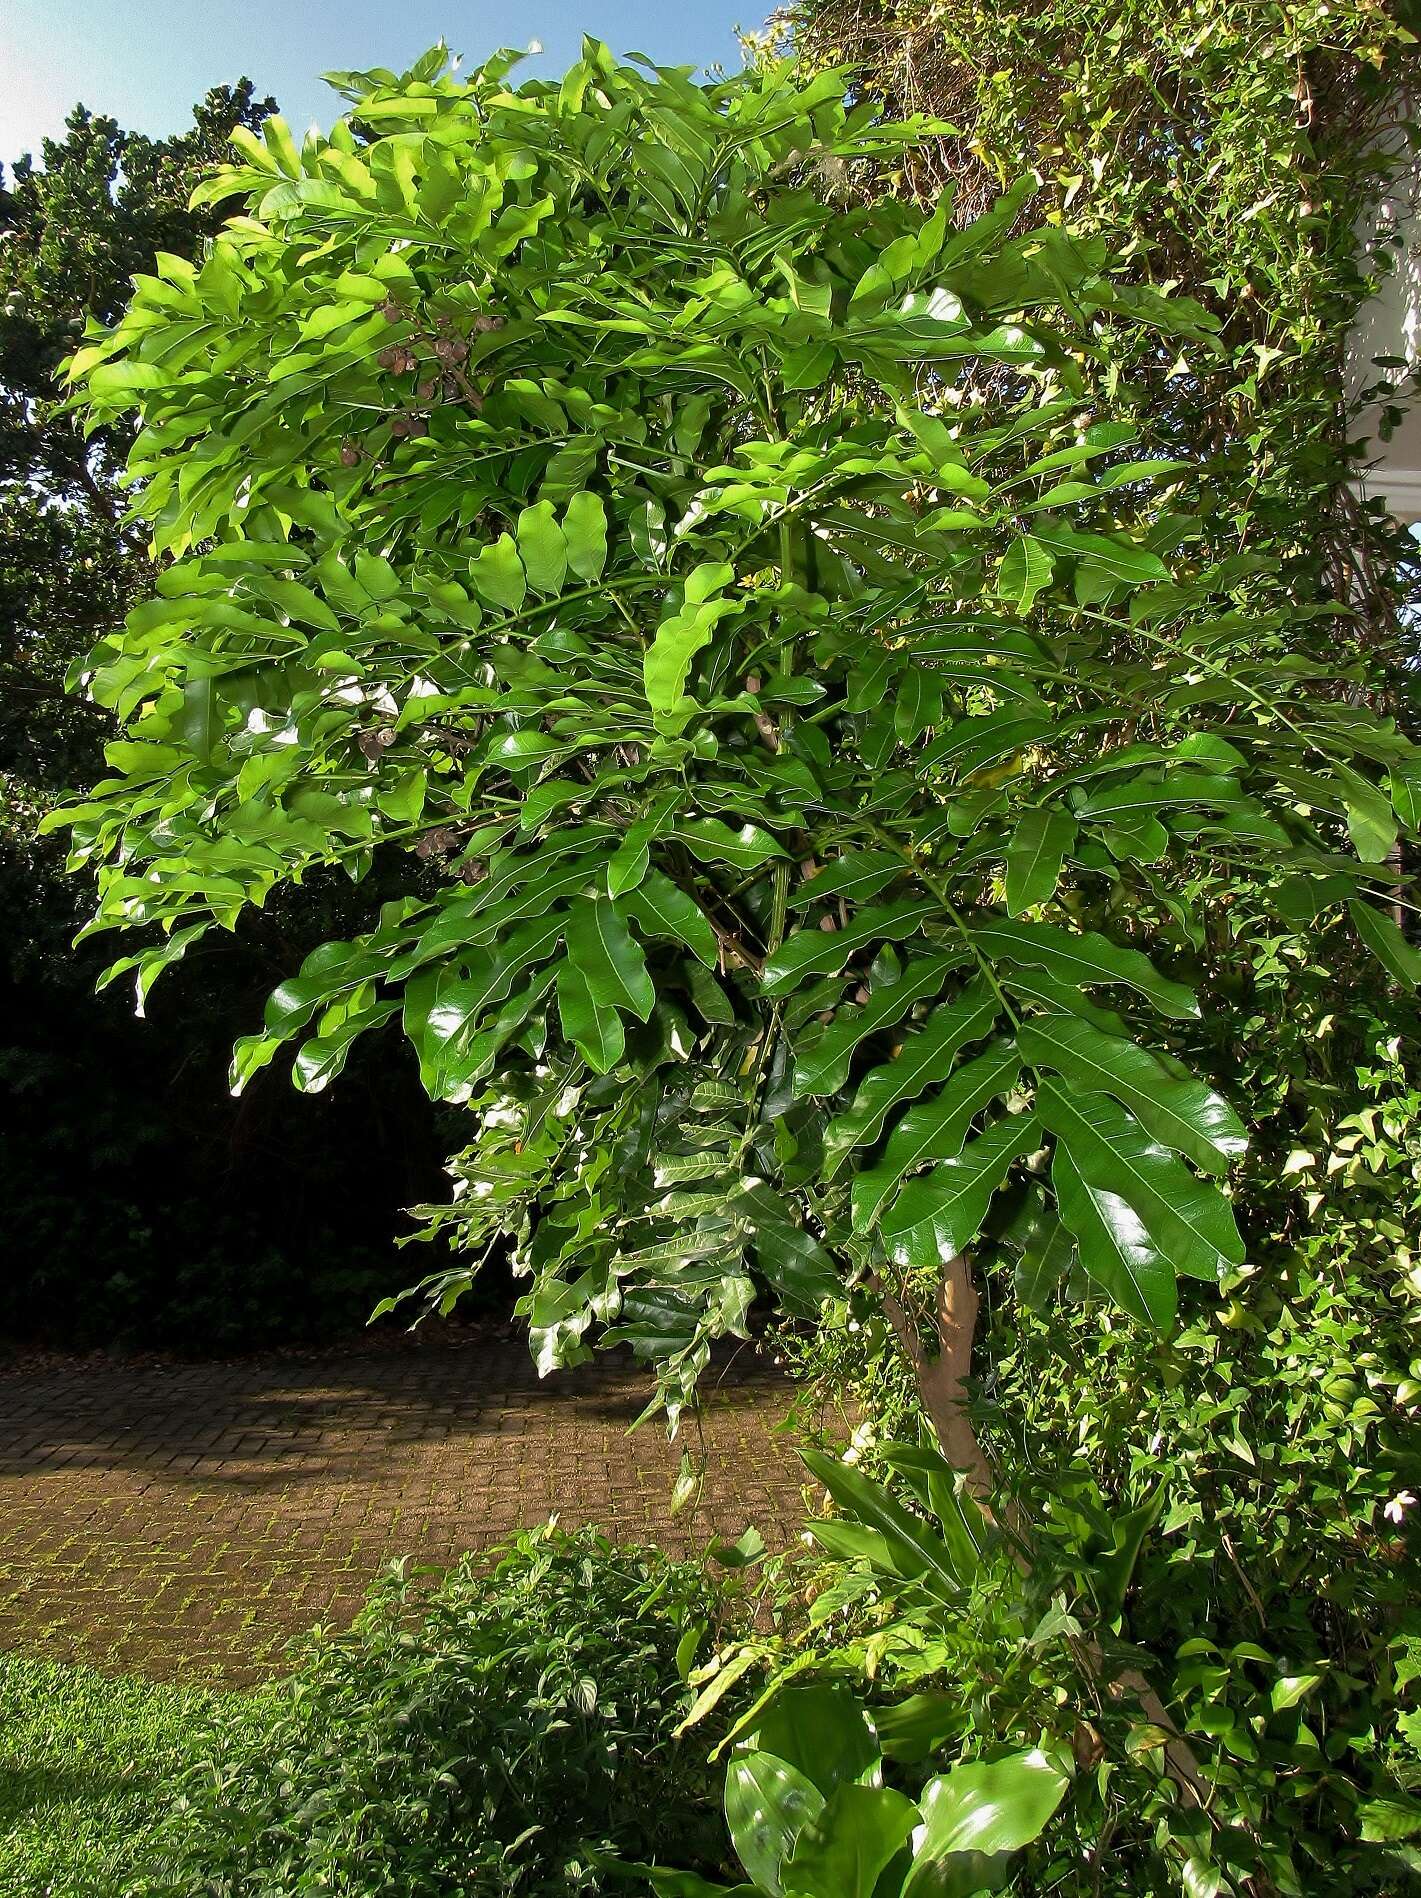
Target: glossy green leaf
x=854 y=877
x=498 y=574
x=917 y=1552
x=1025 y=571
x=542 y=548
x=1182 y=1113
x=767 y=1805
x=714 y=842
x=926 y=1057
x=1384 y=938
x=660 y=907
x=937 y=1216
x=822 y=1063
x=1188 y=1221
x=606 y=955
x=1083 y=960
x=986 y=1806
x=584 y=527
x=842 y=1851
x=822 y=1730
x=822 y=951
x=935 y=1129
x=1115 y=1246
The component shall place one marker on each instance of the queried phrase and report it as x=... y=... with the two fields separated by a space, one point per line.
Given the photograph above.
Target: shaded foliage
x=141 y=1208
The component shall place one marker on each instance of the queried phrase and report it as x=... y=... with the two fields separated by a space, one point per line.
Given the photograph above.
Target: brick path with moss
x=188 y=1519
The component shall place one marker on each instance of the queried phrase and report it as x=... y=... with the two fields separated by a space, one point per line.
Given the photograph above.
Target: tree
x=800 y=709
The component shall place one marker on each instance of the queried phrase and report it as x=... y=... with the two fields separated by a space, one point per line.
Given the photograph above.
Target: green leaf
x=938 y=1215
x=1025 y=570
x=918 y=1553
x=607 y=957
x=542 y=548
x=987 y=1806
x=767 y=1805
x=1371 y=821
x=584 y=527
x=913 y=1729
x=1046 y=1259
x=498 y=574
x=1382 y=936
x=822 y=1730
x=1183 y=1113
x=667 y=661
x=854 y=876
x=1081 y=960
x=715 y=842
x=660 y=907
x=1115 y=1247
x=842 y=1851
x=198 y=723
x=1035 y=854
x=321 y=1059
x=1383 y=1821
x=924 y=1059
x=593 y=1026
x=935 y=1129
x=1113 y=559
x=822 y=951
x=1190 y=1222
x=822 y=1062
x=633 y=854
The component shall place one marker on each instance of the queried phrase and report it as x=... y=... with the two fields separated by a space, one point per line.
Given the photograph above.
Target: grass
x=87 y=1766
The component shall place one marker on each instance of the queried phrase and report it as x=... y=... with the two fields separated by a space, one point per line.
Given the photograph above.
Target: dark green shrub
x=488 y=1737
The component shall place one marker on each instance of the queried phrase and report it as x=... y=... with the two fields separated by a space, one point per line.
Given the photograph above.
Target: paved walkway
x=188 y=1519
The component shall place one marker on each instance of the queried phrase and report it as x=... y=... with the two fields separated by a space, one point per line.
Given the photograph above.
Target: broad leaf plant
x=792 y=700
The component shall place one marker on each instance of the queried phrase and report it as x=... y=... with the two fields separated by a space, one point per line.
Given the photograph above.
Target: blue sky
x=146 y=61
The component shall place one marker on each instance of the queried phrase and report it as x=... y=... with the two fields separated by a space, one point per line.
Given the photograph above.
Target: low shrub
x=493 y=1735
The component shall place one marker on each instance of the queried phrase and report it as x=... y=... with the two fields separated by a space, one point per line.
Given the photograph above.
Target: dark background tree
x=142 y=1205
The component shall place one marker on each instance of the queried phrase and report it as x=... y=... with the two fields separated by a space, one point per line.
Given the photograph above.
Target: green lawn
x=86 y=1766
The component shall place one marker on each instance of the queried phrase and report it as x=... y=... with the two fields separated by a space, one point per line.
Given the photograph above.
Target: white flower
x=1396 y=1509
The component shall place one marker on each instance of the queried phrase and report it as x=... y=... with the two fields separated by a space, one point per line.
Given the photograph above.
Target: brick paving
x=188 y=1519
